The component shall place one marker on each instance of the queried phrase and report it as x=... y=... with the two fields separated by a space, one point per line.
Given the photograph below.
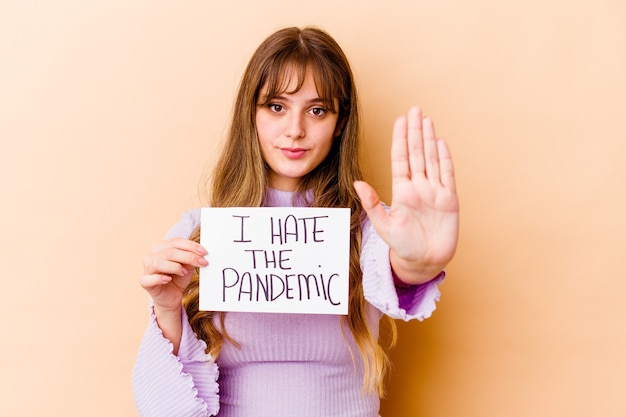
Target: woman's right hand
x=168 y=270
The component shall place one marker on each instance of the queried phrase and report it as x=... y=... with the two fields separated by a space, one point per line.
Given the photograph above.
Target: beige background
x=109 y=112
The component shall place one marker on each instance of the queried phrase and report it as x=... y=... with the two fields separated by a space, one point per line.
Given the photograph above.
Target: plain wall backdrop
x=110 y=112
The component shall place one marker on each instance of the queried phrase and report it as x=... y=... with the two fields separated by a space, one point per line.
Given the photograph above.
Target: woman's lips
x=293 y=153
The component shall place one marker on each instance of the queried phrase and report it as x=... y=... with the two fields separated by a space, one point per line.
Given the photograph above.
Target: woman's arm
x=405 y=302
x=173 y=374
x=167 y=273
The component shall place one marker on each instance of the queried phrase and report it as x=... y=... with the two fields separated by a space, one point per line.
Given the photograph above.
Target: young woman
x=294 y=141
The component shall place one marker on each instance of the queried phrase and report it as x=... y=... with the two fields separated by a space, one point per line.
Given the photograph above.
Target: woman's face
x=296 y=132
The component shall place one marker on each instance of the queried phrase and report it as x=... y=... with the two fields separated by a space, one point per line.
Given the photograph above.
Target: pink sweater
x=289 y=365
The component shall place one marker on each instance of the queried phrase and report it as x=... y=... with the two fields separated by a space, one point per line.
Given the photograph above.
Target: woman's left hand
x=421 y=226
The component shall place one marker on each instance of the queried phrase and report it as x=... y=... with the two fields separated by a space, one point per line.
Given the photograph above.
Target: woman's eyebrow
x=286 y=98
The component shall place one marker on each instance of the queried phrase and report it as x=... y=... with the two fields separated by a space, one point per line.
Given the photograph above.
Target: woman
x=293 y=141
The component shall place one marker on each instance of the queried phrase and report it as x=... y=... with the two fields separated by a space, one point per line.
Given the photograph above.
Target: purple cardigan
x=287 y=364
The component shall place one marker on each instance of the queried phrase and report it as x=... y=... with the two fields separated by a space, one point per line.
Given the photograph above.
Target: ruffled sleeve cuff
x=168 y=385
x=199 y=364
x=400 y=302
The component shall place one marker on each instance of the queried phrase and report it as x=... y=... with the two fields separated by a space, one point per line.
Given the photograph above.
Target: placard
x=275 y=259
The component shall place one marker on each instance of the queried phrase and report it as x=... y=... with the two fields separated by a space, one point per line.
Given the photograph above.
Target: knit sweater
x=287 y=365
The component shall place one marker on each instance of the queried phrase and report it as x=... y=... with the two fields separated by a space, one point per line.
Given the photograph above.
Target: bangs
x=281 y=74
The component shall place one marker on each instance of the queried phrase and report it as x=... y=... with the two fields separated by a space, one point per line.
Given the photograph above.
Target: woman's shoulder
x=188 y=222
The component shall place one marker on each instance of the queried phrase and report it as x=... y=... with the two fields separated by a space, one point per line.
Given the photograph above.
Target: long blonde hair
x=240 y=178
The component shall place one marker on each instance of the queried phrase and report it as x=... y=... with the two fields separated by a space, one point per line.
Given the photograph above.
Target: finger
x=182 y=256
x=448 y=179
x=181 y=252
x=371 y=203
x=416 y=142
x=149 y=282
x=173 y=261
x=159 y=266
x=399 y=154
x=431 y=156
x=182 y=244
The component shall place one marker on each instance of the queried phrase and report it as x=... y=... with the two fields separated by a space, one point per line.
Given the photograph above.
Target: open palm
x=421 y=226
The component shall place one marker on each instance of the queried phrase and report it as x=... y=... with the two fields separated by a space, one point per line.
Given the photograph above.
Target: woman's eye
x=276 y=108
x=318 y=111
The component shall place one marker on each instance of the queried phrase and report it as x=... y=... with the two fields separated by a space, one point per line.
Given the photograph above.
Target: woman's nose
x=295 y=126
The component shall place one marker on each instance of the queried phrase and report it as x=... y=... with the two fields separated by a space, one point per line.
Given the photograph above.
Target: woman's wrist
x=413 y=272
x=170 y=323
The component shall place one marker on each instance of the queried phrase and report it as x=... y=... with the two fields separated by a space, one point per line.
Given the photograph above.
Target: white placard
x=275 y=259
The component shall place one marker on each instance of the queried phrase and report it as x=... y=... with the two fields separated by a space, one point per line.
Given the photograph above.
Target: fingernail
x=202 y=251
x=184 y=271
x=203 y=262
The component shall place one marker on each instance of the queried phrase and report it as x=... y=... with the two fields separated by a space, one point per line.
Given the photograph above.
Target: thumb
x=371 y=203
